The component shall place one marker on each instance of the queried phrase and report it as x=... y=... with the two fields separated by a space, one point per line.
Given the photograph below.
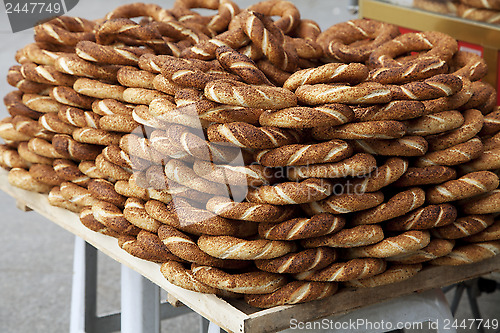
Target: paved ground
x=36 y=255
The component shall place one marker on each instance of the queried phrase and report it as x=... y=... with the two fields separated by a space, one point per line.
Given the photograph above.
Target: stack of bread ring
x=480 y=10
x=260 y=158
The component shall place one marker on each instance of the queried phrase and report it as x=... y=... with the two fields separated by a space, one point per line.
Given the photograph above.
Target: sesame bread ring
x=26 y=154
x=329 y=73
x=65 y=30
x=290 y=155
x=180 y=214
x=487 y=4
x=383 y=129
x=68 y=171
x=9 y=132
x=435 y=123
x=185 y=248
x=431 y=216
x=486 y=204
x=115 y=155
x=77 y=194
x=98 y=89
x=337 y=41
x=118 y=123
x=398 y=205
x=13 y=101
x=10 y=158
x=344 y=203
x=483 y=97
x=129 y=76
x=429 y=175
x=363 y=93
x=255 y=282
x=140 y=147
x=436 y=44
x=455 y=155
x=244 y=135
x=112 y=170
x=248 y=211
x=434 y=87
x=152 y=244
x=71 y=149
x=136 y=214
x=46 y=75
x=289 y=14
x=354 y=269
x=468 y=254
x=77 y=117
x=88 y=220
x=43 y=148
x=410 y=71
x=31 y=127
x=395 y=110
x=90 y=170
x=270 y=39
x=104 y=190
x=294 y=292
x=228 y=247
x=52 y=123
x=242 y=66
x=393 y=274
x=72 y=64
x=220 y=113
x=407 y=242
x=478 y=14
x=137 y=10
x=360 y=235
x=161 y=83
x=276 y=75
x=250 y=175
x=23 y=179
x=242 y=94
x=142 y=96
x=133 y=247
x=463 y=227
x=42 y=53
x=112 y=217
x=467 y=186
x=301 y=228
x=492 y=143
x=17 y=80
x=491 y=233
x=491 y=124
x=473 y=122
x=436 y=248
x=355 y=166
x=291 y=193
x=468 y=65
x=96 y=136
x=452 y=102
x=56 y=199
x=392 y=170
x=111 y=106
x=113 y=55
x=305 y=117
x=131 y=190
x=45 y=173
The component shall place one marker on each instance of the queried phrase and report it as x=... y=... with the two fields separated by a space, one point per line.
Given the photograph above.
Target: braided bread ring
x=395 y=110
x=478 y=14
x=435 y=123
x=69 y=171
x=467 y=186
x=338 y=41
x=23 y=179
x=405 y=146
x=290 y=155
x=77 y=194
x=10 y=158
x=483 y=98
x=77 y=117
x=436 y=248
x=73 y=65
x=52 y=123
x=289 y=14
x=363 y=93
x=344 y=203
x=455 y=155
x=228 y=247
x=65 y=145
x=294 y=292
x=16 y=79
x=398 y=205
x=96 y=136
x=488 y=160
x=46 y=75
x=434 y=87
x=429 y=175
x=491 y=233
x=354 y=269
x=112 y=170
x=88 y=220
x=185 y=248
x=136 y=214
x=104 y=190
x=309 y=190
x=329 y=73
x=178 y=275
x=248 y=136
x=64 y=30
x=301 y=228
x=68 y=96
x=468 y=254
x=26 y=154
x=407 y=242
x=112 y=217
x=305 y=117
x=45 y=173
x=256 y=282
x=306 y=260
x=56 y=199
x=43 y=148
x=248 y=211
x=133 y=247
x=355 y=166
x=485 y=204
x=242 y=66
x=242 y=94
x=452 y=102
x=98 y=89
x=360 y=235
x=463 y=227
x=413 y=70
x=395 y=273
x=106 y=54
x=427 y=217
x=392 y=170
x=31 y=127
x=491 y=124
x=250 y=175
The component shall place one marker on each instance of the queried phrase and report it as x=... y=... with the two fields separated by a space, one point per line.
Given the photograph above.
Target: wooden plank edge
x=209 y=306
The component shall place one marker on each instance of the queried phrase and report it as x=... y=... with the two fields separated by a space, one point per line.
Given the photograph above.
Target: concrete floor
x=36 y=255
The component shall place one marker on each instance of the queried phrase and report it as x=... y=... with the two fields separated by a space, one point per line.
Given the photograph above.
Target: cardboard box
x=477 y=37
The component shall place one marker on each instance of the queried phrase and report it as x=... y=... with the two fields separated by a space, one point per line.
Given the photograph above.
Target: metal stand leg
x=140 y=303
x=203 y=325
x=212 y=328
x=456 y=298
x=475 y=308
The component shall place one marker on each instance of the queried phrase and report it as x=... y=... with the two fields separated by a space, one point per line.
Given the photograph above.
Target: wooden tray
x=237 y=316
